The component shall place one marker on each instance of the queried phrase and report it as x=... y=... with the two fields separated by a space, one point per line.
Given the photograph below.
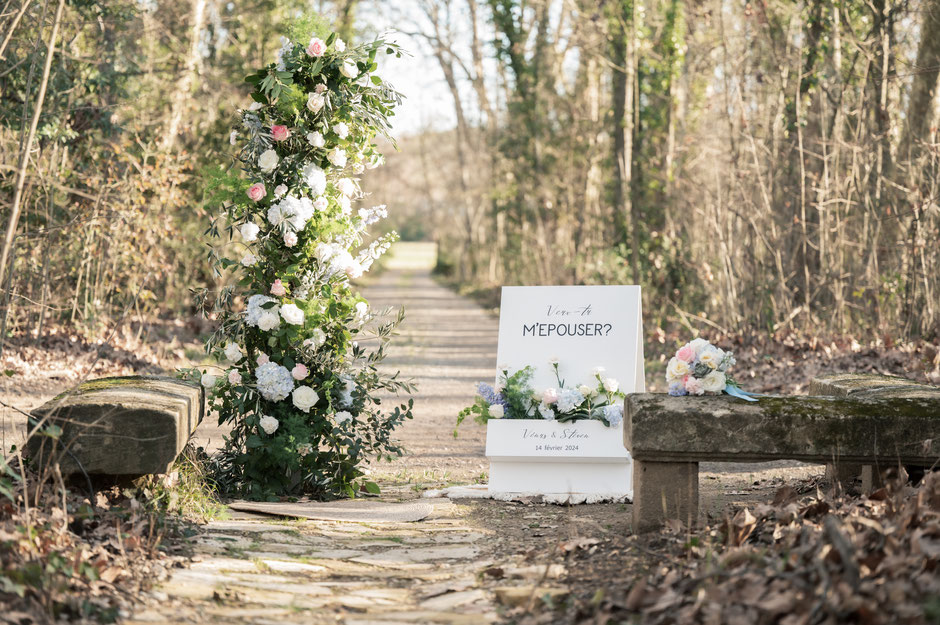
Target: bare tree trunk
x=30 y=137
x=920 y=109
x=185 y=83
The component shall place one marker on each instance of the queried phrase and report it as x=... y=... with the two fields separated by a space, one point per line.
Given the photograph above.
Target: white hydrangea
x=337 y=157
x=343 y=416
x=274 y=381
x=304 y=398
x=315 y=178
x=255 y=310
x=546 y=412
x=233 y=352
x=268 y=424
x=268 y=161
x=292 y=314
x=292 y=210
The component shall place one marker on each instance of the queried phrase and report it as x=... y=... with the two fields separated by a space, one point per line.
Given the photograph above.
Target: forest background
x=759 y=167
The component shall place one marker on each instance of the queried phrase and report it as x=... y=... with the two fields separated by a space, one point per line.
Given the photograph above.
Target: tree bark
x=920 y=111
x=185 y=83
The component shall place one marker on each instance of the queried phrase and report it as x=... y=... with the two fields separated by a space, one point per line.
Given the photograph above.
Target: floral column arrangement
x=301 y=391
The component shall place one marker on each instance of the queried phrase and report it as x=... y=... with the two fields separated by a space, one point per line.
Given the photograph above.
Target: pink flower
x=549 y=396
x=278 y=288
x=694 y=386
x=279 y=133
x=320 y=88
x=257 y=191
x=317 y=47
x=234 y=377
x=686 y=353
x=290 y=239
x=262 y=359
x=299 y=372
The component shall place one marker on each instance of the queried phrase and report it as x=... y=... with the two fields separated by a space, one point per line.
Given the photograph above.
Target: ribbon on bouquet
x=737 y=391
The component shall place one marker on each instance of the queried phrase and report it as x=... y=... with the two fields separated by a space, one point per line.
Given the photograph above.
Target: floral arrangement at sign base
x=301 y=390
x=699 y=368
x=514 y=398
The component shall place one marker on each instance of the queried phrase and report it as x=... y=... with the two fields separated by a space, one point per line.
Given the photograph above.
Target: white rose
x=315 y=139
x=268 y=321
x=317 y=338
x=233 y=352
x=249 y=259
x=337 y=157
x=249 y=231
x=343 y=416
x=268 y=424
x=321 y=203
x=292 y=314
x=586 y=390
x=497 y=411
x=341 y=130
x=339 y=45
x=268 y=161
x=676 y=369
x=304 y=397
x=280 y=190
x=346 y=186
x=255 y=106
x=710 y=356
x=315 y=102
x=714 y=382
x=234 y=377
x=349 y=69
x=611 y=385
x=208 y=380
x=290 y=239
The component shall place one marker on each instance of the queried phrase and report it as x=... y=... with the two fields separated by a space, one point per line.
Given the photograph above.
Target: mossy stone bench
x=121 y=427
x=669 y=436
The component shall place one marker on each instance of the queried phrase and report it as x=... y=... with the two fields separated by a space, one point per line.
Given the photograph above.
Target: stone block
x=664 y=490
x=123 y=427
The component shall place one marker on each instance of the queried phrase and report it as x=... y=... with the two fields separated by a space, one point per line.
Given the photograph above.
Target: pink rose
x=278 y=288
x=234 y=377
x=256 y=191
x=319 y=88
x=549 y=396
x=686 y=354
x=262 y=359
x=299 y=372
x=279 y=133
x=694 y=386
x=317 y=47
x=290 y=239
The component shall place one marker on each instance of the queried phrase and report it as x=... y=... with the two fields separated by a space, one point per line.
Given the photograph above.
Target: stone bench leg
x=664 y=490
x=844 y=473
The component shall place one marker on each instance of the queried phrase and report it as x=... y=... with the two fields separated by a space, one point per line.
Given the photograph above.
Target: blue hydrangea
x=613 y=414
x=677 y=389
x=489 y=395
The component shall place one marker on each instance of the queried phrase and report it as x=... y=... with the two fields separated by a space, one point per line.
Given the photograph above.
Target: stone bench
x=120 y=427
x=669 y=436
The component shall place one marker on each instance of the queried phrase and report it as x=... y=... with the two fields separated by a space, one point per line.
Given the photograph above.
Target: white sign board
x=584 y=327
